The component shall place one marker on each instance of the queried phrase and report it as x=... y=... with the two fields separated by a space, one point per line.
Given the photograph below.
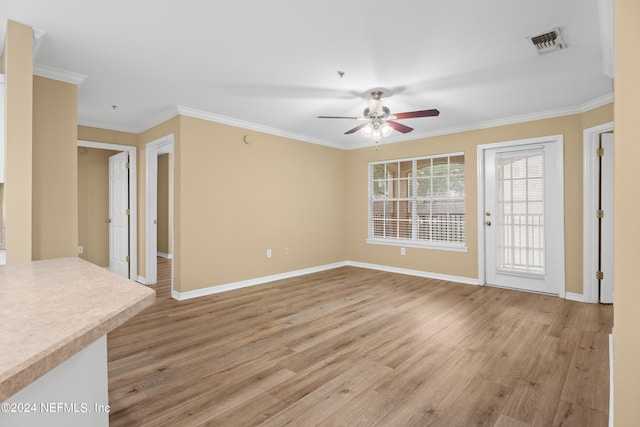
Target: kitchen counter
x=53 y=309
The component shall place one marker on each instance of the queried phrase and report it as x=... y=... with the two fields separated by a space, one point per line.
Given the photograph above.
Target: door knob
x=108 y=220
x=488 y=223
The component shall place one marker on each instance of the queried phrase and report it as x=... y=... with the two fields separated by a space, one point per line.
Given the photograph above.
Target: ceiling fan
x=379 y=120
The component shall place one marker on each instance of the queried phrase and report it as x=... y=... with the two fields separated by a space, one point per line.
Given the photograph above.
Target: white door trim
x=591 y=138
x=133 y=198
x=155 y=148
x=482 y=275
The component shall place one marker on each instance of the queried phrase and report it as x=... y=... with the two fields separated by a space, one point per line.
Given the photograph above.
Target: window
x=418 y=202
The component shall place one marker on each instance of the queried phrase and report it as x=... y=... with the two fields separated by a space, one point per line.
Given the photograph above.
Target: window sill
x=412 y=244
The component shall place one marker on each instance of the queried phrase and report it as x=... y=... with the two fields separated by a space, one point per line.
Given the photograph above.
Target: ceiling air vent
x=548 y=42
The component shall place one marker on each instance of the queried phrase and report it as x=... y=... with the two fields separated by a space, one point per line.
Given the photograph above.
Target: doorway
x=521 y=215
x=124 y=242
x=598 y=214
x=154 y=150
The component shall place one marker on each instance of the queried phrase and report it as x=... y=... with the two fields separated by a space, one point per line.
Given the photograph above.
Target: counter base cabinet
x=75 y=393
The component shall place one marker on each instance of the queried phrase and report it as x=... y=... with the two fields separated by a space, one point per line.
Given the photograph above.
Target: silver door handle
x=108 y=220
x=488 y=223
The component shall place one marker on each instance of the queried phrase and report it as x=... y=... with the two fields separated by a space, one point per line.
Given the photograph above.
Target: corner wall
x=18 y=68
x=627 y=206
x=55 y=170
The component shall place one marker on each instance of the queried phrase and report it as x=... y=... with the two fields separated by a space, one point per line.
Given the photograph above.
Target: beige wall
x=55 y=197
x=466 y=264
x=236 y=200
x=88 y=133
x=164 y=214
x=627 y=206
x=18 y=68
x=93 y=204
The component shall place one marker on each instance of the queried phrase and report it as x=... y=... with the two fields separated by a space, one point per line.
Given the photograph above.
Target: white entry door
x=524 y=217
x=119 y=214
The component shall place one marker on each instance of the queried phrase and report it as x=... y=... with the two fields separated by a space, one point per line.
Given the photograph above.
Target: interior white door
x=606 y=222
x=119 y=214
x=524 y=215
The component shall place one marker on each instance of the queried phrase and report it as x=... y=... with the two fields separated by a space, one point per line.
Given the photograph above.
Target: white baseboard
x=251 y=282
x=419 y=273
x=266 y=279
x=574 y=297
x=163 y=255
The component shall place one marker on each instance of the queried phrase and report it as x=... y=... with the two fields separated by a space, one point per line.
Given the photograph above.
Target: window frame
x=412 y=199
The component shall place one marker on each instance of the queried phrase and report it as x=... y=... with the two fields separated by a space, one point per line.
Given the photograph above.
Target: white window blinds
x=521 y=211
x=418 y=200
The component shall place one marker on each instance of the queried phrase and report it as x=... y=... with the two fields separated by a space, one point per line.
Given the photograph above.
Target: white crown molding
x=217 y=118
x=540 y=115
x=176 y=110
x=58 y=74
x=596 y=103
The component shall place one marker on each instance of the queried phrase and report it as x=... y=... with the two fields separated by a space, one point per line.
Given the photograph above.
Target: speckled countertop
x=52 y=309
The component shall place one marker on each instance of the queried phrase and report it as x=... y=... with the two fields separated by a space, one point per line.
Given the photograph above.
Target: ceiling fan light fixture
x=366 y=131
x=376 y=131
x=379 y=123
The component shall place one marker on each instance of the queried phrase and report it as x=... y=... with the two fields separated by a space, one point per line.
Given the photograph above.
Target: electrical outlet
x=268 y=253
x=80 y=249
x=403 y=251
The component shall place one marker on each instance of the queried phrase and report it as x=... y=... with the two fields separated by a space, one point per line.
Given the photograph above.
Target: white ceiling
x=272 y=65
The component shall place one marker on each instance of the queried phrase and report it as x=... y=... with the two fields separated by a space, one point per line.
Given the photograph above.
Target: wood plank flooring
x=357 y=347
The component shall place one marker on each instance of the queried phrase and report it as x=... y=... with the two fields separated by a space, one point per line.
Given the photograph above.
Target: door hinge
x=599 y=275
x=127 y=165
x=127 y=258
x=128 y=212
x=600 y=152
x=600 y=213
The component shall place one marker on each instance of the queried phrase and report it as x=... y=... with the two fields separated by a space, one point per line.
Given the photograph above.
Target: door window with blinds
x=418 y=201
x=521 y=234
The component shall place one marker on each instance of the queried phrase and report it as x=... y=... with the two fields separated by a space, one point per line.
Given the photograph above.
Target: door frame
x=557 y=139
x=163 y=145
x=133 y=199
x=591 y=139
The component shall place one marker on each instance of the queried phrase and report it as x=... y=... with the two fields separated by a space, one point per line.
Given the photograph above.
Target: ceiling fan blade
x=338 y=117
x=413 y=114
x=399 y=126
x=356 y=129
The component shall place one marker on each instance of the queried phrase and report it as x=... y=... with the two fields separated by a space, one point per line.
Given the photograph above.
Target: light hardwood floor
x=357 y=347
